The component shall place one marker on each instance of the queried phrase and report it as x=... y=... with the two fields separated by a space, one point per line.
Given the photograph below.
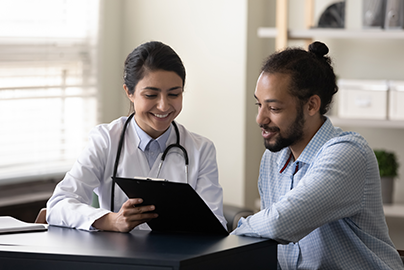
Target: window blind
x=48 y=90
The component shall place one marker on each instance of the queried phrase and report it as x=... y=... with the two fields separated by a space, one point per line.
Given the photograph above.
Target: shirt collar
x=144 y=138
x=324 y=134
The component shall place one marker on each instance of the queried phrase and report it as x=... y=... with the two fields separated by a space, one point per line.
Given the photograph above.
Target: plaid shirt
x=325 y=208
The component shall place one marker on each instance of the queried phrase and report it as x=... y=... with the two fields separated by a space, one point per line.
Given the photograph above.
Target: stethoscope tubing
x=118 y=155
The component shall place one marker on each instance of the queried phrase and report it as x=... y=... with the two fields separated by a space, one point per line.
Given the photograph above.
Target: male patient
x=319 y=186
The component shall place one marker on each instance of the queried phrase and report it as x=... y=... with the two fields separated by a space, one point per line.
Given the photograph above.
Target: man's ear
x=313 y=105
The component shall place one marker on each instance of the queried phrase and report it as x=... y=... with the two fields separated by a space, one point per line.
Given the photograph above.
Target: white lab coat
x=70 y=204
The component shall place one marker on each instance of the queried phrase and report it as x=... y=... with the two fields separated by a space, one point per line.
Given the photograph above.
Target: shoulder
x=193 y=139
x=108 y=131
x=347 y=149
x=336 y=136
x=335 y=139
x=114 y=126
x=350 y=140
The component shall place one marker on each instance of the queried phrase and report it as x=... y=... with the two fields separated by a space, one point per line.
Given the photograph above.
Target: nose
x=262 y=118
x=163 y=103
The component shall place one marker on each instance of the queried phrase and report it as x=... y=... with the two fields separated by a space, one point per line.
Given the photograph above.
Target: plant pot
x=387 y=189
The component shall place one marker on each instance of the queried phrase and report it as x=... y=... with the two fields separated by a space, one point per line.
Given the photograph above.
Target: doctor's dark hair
x=151 y=56
x=310 y=71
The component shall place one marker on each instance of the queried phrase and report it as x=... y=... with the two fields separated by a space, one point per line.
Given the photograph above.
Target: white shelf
x=271 y=32
x=394 y=210
x=267 y=32
x=366 y=123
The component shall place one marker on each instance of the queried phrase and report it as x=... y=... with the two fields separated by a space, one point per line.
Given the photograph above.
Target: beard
x=291 y=136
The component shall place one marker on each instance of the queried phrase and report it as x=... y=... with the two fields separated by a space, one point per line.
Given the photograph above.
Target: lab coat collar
x=144 y=138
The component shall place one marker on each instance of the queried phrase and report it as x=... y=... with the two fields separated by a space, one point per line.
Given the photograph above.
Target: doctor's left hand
x=128 y=217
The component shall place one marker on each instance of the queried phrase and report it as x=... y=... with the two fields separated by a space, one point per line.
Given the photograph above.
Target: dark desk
x=62 y=248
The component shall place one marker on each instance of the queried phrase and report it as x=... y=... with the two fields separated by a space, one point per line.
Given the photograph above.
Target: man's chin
x=273 y=147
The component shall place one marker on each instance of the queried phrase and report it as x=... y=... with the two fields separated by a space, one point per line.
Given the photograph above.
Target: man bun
x=318 y=48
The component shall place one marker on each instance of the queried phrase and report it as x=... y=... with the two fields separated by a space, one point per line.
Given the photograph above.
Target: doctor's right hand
x=128 y=217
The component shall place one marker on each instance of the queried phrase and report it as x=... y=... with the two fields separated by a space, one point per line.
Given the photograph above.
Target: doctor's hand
x=128 y=217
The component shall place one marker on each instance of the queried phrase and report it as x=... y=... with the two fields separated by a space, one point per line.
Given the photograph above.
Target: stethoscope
x=163 y=157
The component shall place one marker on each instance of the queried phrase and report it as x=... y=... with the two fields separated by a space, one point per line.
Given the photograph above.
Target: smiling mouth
x=160 y=115
x=268 y=133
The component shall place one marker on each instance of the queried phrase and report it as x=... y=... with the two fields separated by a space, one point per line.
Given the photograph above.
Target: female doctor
x=154 y=79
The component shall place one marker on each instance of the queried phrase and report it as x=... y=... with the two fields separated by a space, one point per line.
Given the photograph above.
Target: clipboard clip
x=156 y=179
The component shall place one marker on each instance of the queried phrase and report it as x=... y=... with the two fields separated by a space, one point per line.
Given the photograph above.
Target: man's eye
x=258 y=104
x=274 y=109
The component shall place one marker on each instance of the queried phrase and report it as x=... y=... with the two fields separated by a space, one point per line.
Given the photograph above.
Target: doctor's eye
x=150 y=96
x=175 y=93
x=258 y=104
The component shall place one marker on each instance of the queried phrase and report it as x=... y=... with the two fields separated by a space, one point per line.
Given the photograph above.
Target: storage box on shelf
x=394 y=210
x=365 y=99
x=396 y=100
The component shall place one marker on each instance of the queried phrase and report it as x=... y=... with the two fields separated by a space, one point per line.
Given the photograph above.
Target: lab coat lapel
x=154 y=169
x=134 y=162
x=173 y=168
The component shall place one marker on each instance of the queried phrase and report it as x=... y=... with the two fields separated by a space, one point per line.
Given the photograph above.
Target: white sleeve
x=208 y=186
x=70 y=204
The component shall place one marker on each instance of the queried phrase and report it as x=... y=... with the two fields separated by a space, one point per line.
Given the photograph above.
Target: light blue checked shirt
x=328 y=214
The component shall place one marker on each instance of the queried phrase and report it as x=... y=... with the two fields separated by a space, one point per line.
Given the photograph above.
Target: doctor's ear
x=127 y=91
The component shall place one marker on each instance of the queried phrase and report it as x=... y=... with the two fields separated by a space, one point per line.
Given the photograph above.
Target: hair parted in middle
x=151 y=56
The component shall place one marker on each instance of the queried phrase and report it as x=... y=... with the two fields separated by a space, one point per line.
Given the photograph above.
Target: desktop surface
x=64 y=248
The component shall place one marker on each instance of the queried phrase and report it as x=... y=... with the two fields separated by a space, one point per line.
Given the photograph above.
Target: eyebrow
x=268 y=100
x=158 y=89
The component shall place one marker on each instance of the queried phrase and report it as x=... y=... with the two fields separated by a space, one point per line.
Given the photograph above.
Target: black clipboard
x=179 y=207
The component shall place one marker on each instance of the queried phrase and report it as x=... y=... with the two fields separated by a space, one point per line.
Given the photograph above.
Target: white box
x=396 y=100
x=362 y=99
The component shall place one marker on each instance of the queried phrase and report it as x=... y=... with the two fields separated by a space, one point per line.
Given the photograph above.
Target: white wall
x=210 y=37
x=260 y=13
x=222 y=54
x=112 y=95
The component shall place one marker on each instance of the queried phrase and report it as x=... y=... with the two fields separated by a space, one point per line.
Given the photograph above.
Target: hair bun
x=318 y=48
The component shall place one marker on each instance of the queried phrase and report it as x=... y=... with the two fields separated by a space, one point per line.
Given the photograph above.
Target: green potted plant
x=388 y=168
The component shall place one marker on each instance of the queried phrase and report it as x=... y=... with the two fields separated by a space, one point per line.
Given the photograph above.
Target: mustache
x=268 y=128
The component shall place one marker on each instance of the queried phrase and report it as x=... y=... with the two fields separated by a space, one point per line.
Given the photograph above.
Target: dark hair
x=151 y=56
x=311 y=72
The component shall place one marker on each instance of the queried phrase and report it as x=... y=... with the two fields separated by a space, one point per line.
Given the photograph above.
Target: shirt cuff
x=245 y=228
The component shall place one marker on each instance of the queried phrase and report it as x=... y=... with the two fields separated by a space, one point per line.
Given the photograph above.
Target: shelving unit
x=282 y=34
x=394 y=210
x=366 y=123
x=272 y=32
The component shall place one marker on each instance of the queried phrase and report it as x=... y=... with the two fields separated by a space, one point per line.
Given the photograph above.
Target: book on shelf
x=12 y=225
